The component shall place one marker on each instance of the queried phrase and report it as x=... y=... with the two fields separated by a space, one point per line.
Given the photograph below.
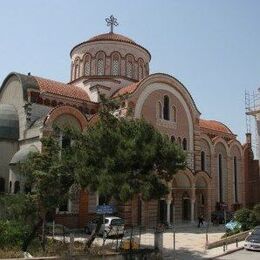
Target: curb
x=227 y=253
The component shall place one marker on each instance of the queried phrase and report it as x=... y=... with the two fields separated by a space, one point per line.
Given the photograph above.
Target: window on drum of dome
x=174 y=114
x=100 y=67
x=129 y=69
x=115 y=66
x=87 y=66
x=166 y=110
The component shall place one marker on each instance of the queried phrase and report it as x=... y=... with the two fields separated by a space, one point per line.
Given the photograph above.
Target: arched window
x=179 y=141
x=173 y=140
x=100 y=67
x=184 y=144
x=235 y=178
x=220 y=177
x=10 y=187
x=174 y=114
x=115 y=65
x=16 y=187
x=87 y=65
x=202 y=160
x=166 y=111
x=2 y=185
x=129 y=67
x=159 y=110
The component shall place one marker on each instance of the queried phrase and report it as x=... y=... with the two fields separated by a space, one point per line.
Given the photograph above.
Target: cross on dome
x=111 y=21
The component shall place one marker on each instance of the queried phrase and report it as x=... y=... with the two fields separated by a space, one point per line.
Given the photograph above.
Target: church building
x=219 y=168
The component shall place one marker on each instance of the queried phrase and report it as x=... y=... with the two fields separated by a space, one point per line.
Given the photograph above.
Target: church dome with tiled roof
x=215 y=126
x=111 y=37
x=109 y=56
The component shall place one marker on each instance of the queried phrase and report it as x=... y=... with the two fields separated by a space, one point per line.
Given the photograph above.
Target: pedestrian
x=200 y=221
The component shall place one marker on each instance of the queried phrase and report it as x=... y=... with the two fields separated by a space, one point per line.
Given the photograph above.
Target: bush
x=246 y=218
x=12 y=233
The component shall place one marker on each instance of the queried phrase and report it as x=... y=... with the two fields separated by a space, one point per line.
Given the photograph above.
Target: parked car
x=232 y=224
x=252 y=241
x=113 y=226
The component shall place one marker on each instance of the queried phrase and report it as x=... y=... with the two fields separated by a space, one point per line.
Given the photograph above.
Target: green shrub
x=246 y=218
x=12 y=233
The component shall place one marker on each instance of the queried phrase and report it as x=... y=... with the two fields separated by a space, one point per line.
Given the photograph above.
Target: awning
x=22 y=154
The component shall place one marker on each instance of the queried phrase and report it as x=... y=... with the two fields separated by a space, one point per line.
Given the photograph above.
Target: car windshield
x=117 y=222
x=256 y=232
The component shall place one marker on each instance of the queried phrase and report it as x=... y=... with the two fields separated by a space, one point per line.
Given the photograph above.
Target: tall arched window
x=173 y=139
x=235 y=178
x=202 y=160
x=2 y=185
x=159 y=110
x=87 y=65
x=129 y=67
x=166 y=111
x=10 y=187
x=184 y=144
x=179 y=141
x=115 y=65
x=100 y=67
x=220 y=178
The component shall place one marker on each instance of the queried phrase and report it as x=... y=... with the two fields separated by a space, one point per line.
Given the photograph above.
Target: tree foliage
x=121 y=157
x=246 y=218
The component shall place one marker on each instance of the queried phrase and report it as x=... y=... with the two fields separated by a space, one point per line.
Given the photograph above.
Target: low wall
x=229 y=240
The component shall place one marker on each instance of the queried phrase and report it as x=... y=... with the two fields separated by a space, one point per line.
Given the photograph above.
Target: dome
x=9 y=122
x=215 y=126
x=111 y=37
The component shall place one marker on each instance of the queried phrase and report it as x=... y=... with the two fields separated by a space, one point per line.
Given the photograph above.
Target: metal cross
x=111 y=21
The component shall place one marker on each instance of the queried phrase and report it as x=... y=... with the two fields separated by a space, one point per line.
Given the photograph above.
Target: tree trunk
x=31 y=236
x=93 y=234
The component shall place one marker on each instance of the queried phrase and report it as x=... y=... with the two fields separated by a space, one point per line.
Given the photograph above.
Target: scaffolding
x=252 y=107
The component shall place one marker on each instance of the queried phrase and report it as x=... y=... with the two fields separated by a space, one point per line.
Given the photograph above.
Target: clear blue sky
x=212 y=47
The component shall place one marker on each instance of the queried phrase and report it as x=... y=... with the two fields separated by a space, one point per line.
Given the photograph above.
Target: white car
x=114 y=226
x=252 y=241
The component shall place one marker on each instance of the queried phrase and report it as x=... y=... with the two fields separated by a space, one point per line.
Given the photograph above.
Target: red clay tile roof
x=126 y=90
x=111 y=37
x=62 y=89
x=215 y=126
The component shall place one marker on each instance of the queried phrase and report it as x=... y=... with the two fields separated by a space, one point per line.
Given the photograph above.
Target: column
x=168 y=203
x=193 y=198
x=192 y=210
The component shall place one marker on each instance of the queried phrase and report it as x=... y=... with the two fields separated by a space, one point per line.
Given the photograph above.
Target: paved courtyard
x=190 y=241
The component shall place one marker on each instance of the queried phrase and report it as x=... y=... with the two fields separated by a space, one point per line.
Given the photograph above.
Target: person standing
x=200 y=221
